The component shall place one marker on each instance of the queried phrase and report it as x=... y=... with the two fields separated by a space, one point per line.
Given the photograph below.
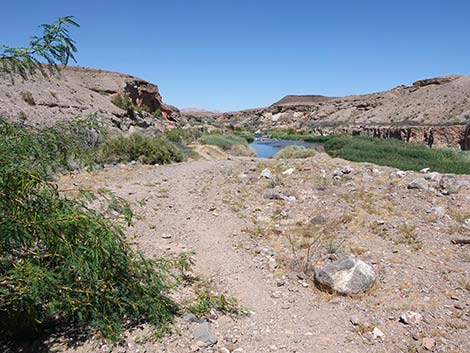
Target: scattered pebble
x=266 y=173
x=411 y=318
x=377 y=333
x=428 y=343
x=288 y=171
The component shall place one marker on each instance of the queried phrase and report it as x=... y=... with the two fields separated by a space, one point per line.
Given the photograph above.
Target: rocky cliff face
x=457 y=136
x=409 y=112
x=78 y=92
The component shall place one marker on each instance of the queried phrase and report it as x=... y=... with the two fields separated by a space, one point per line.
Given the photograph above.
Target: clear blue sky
x=231 y=55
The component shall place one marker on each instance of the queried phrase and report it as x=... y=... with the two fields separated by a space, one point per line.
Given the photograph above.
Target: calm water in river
x=266 y=148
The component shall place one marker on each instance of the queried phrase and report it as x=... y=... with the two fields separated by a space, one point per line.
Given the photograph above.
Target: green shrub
x=65 y=265
x=398 y=154
x=225 y=142
x=184 y=136
x=291 y=152
x=285 y=135
x=65 y=146
x=247 y=135
x=157 y=113
x=123 y=101
x=316 y=138
x=147 y=149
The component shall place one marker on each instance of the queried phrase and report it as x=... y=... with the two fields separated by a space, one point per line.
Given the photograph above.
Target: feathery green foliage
x=64 y=263
x=65 y=146
x=147 y=149
x=398 y=154
x=54 y=46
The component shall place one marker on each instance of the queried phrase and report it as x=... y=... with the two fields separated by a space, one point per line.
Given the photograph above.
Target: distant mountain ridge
x=301 y=100
x=436 y=101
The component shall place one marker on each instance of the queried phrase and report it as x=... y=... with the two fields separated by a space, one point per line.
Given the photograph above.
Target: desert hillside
x=409 y=113
x=405 y=112
x=437 y=101
x=45 y=100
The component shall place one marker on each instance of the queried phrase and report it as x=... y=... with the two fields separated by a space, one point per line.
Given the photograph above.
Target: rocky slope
x=79 y=92
x=408 y=112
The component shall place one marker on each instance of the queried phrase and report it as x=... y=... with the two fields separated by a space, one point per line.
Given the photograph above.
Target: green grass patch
x=398 y=154
x=225 y=142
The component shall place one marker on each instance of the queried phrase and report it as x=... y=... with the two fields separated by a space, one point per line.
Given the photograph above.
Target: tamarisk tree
x=53 y=47
x=65 y=263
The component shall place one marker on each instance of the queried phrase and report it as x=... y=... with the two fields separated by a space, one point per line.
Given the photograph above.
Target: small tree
x=65 y=262
x=54 y=47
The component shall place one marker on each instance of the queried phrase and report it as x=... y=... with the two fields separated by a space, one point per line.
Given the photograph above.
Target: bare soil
x=252 y=248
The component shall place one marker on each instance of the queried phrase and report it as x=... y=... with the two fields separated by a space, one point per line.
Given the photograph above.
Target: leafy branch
x=54 y=47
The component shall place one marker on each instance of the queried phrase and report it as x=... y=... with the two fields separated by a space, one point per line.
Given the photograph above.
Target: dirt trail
x=187 y=207
x=274 y=324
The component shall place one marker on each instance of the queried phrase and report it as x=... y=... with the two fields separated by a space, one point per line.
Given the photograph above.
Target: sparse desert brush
x=291 y=152
x=157 y=113
x=308 y=242
x=28 y=97
x=409 y=236
x=124 y=101
x=458 y=215
x=360 y=200
x=147 y=149
x=466 y=284
x=242 y=150
x=206 y=300
x=321 y=182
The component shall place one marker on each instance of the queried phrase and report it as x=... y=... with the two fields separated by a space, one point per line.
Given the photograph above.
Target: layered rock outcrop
x=78 y=92
x=440 y=105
